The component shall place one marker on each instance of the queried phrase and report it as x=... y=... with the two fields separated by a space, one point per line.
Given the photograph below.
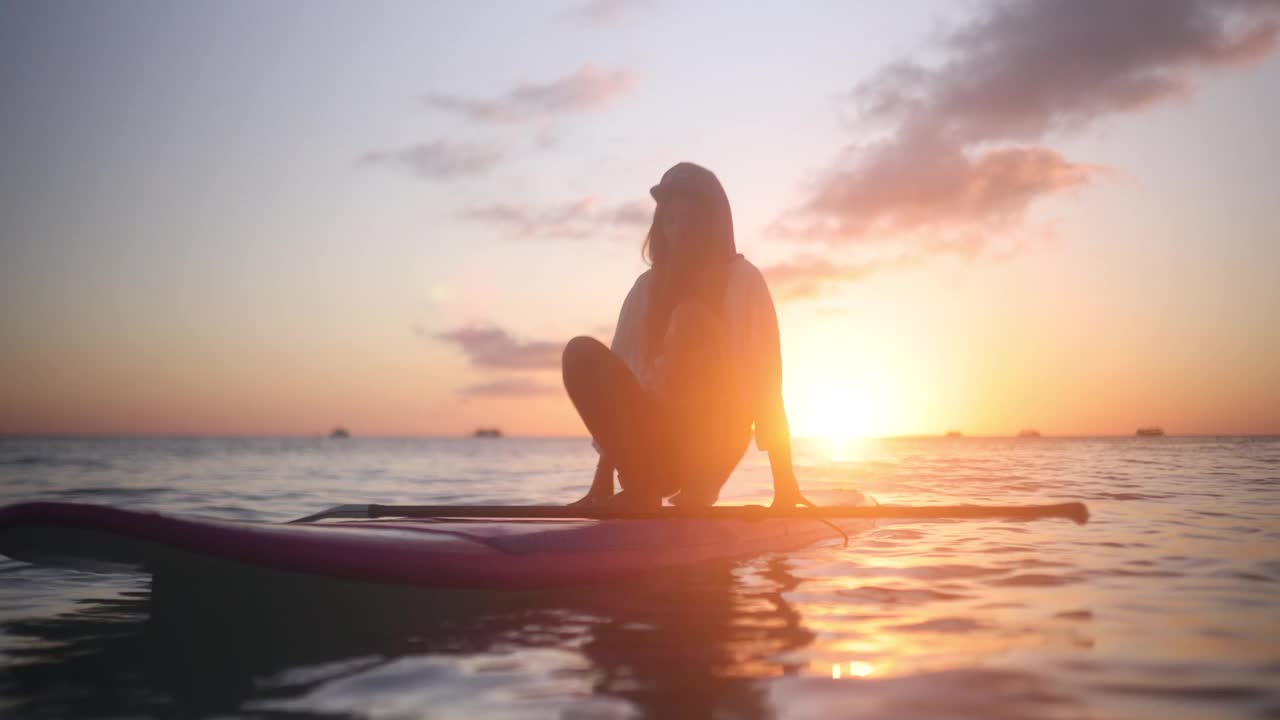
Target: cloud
x=582 y=218
x=605 y=12
x=1024 y=69
x=902 y=188
x=960 y=161
x=810 y=276
x=437 y=160
x=509 y=387
x=546 y=139
x=588 y=88
x=492 y=348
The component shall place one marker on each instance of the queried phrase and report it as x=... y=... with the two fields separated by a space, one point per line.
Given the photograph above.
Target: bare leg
x=622 y=417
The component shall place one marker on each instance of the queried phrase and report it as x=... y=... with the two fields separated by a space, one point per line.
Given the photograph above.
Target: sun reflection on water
x=845 y=448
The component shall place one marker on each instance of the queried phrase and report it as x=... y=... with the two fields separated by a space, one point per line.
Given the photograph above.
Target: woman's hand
x=786 y=493
x=789 y=498
x=786 y=489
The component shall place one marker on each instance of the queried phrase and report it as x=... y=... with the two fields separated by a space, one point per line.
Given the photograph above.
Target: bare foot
x=633 y=501
x=592 y=500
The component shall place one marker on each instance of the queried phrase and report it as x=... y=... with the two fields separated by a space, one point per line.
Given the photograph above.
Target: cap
x=688 y=177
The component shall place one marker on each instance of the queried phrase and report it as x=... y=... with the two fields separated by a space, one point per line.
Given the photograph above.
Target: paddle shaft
x=1073 y=511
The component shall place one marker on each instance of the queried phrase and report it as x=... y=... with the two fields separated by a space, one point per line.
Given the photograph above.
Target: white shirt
x=752 y=337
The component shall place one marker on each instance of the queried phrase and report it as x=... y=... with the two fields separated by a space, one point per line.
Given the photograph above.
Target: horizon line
x=441 y=436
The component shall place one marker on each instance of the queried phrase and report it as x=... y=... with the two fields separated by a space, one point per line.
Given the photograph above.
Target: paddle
x=1072 y=511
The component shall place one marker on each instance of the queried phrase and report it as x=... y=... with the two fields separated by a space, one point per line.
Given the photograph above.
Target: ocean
x=1165 y=605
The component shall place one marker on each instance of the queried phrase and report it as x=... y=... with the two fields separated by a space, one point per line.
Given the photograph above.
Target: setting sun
x=836 y=401
x=834 y=413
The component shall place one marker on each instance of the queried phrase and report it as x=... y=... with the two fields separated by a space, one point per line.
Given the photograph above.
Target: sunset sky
x=274 y=218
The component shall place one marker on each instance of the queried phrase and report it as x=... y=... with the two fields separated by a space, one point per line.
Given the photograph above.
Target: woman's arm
x=773 y=431
x=786 y=488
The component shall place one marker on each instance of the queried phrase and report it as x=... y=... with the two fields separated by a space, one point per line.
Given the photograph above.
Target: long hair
x=697 y=270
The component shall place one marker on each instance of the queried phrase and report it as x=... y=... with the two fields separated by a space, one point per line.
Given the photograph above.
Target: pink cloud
x=605 y=12
x=909 y=187
x=811 y=276
x=586 y=89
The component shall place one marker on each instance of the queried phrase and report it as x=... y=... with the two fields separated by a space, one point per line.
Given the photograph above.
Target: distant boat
x=339 y=432
x=1028 y=433
x=954 y=434
x=487 y=433
x=1151 y=431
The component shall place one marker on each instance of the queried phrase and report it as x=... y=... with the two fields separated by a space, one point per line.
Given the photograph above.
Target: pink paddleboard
x=495 y=554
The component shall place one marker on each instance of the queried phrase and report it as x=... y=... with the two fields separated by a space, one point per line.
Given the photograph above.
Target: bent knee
x=577 y=353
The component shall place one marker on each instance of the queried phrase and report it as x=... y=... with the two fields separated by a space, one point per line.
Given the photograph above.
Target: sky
x=240 y=218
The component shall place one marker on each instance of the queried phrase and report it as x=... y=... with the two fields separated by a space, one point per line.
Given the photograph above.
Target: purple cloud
x=438 y=160
x=510 y=387
x=1024 y=69
x=493 y=348
x=959 y=163
x=582 y=218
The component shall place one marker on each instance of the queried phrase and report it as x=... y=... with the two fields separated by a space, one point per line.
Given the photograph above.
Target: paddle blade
x=354 y=512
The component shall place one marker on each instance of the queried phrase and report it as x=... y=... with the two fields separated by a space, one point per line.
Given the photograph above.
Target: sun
x=840 y=417
x=837 y=411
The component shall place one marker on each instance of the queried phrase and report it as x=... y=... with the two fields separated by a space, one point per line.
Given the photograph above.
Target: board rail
x=1075 y=511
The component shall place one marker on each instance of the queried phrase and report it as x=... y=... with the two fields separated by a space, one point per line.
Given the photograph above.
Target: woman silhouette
x=695 y=362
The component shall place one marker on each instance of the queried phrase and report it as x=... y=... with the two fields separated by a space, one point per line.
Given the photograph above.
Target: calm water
x=1166 y=605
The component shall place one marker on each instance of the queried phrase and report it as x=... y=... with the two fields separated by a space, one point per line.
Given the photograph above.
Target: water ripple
x=1162 y=606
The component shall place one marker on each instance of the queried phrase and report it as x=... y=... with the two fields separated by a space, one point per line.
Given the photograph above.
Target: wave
x=55 y=461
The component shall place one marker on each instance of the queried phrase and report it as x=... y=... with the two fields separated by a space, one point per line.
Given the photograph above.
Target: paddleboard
x=470 y=553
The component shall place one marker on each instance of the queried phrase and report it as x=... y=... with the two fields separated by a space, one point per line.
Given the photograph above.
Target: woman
x=695 y=362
